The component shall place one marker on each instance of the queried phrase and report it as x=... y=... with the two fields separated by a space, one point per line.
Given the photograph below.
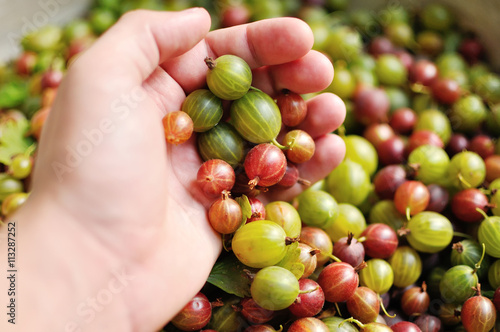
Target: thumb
x=141 y=40
x=94 y=88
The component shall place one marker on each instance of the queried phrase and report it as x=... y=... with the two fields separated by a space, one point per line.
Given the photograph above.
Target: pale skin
x=117 y=239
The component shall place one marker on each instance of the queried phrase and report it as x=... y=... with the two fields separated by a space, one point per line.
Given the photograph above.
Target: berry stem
x=383 y=307
x=210 y=62
x=313 y=252
x=304 y=182
x=352 y=320
x=332 y=256
x=341 y=131
x=217 y=303
x=419 y=88
x=408 y=213
x=329 y=312
x=255 y=89
x=424 y=287
x=477 y=289
x=29 y=151
x=360 y=267
x=486 y=191
x=413 y=168
x=338 y=309
x=467 y=236
x=350 y=236
x=275 y=142
x=490 y=205
x=477 y=266
x=403 y=231
x=462 y=179
x=458 y=247
x=249 y=274
x=306 y=291
x=225 y=242
x=361 y=239
x=225 y=194
x=252 y=183
x=236 y=307
x=483 y=213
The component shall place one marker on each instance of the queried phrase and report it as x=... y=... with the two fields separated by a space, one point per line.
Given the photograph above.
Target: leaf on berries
x=488 y=293
x=246 y=208
x=13 y=94
x=291 y=260
x=13 y=139
x=232 y=276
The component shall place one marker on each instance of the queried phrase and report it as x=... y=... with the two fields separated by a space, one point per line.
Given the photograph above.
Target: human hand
x=118 y=195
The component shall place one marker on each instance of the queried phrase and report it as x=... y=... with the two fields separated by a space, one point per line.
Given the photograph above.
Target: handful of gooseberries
x=244 y=147
x=242 y=158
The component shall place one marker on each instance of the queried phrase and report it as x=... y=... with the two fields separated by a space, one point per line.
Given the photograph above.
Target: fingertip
x=288 y=33
x=329 y=153
x=310 y=73
x=325 y=113
x=305 y=30
x=323 y=63
x=204 y=15
x=338 y=109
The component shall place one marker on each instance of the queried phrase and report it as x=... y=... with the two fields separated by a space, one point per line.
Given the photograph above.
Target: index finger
x=270 y=45
x=263 y=43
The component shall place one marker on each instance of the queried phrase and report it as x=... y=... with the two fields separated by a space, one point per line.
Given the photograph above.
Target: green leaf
x=13 y=139
x=297 y=269
x=230 y=275
x=489 y=294
x=291 y=260
x=246 y=208
x=30 y=105
x=13 y=94
x=225 y=318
